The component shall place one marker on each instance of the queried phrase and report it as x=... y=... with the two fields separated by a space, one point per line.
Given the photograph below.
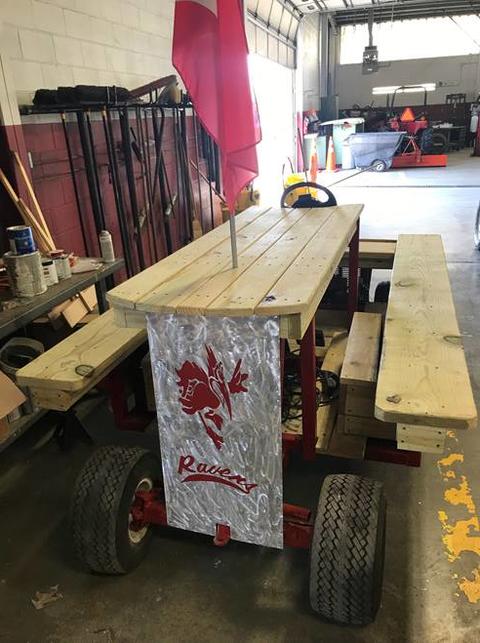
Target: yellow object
x=246 y=198
x=291 y=179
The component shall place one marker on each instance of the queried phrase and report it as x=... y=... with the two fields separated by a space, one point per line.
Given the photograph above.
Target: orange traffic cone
x=314 y=168
x=331 y=159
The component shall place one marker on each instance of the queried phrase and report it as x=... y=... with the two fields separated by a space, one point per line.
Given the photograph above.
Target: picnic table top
x=286 y=259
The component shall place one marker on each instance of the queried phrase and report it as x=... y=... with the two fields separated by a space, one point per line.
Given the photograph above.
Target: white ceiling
x=309 y=6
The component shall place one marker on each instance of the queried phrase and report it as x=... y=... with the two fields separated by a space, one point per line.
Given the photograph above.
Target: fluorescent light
x=430 y=87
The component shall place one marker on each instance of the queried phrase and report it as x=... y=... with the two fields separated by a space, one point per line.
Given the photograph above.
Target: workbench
x=18 y=317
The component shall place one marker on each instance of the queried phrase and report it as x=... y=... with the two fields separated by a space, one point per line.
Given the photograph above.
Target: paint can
x=49 y=272
x=25 y=274
x=62 y=265
x=21 y=240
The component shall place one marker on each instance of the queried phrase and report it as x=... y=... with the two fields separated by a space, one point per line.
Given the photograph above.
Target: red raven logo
x=207 y=393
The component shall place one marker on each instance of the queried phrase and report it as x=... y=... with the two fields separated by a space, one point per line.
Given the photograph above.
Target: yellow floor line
x=462 y=535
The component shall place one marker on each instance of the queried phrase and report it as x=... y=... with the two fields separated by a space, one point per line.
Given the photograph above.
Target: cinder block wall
x=94 y=42
x=51 y=43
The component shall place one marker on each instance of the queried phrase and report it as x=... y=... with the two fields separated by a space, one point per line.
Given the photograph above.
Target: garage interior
x=98 y=132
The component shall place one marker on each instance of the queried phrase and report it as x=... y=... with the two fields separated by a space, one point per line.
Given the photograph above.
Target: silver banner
x=217 y=390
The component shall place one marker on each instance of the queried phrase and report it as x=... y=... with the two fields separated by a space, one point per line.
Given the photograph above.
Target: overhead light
x=430 y=87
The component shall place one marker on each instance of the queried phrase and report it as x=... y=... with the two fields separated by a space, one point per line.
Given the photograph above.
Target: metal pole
x=233 y=240
x=130 y=173
x=75 y=185
x=116 y=193
x=197 y=160
x=89 y=170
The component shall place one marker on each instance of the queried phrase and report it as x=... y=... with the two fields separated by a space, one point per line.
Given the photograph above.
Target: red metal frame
x=114 y=386
x=149 y=507
x=308 y=377
x=412 y=157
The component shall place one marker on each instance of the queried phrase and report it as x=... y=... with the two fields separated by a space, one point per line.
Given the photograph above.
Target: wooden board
x=359 y=400
x=100 y=344
x=423 y=377
x=342 y=445
x=131 y=291
x=368 y=427
x=426 y=439
x=363 y=350
x=375 y=253
x=326 y=415
x=286 y=260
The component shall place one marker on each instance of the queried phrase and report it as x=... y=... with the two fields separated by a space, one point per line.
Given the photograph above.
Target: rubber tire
x=476 y=230
x=348 y=550
x=379 y=166
x=100 y=508
x=432 y=142
x=382 y=292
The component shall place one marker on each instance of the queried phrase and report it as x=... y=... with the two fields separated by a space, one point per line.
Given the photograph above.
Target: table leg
x=101 y=291
x=353 y=260
x=309 y=392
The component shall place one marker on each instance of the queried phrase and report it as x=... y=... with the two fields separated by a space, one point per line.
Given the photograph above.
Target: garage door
x=272 y=27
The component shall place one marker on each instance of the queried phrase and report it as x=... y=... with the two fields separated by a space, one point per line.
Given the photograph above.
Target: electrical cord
x=328 y=388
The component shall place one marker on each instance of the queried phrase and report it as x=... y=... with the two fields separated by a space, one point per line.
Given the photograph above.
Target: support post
x=309 y=391
x=353 y=261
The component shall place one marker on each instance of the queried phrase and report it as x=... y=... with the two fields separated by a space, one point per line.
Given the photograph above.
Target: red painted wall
x=54 y=187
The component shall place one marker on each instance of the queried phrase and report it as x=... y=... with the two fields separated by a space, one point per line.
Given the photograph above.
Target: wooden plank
x=363 y=350
x=74 y=312
x=426 y=439
x=359 y=400
x=326 y=415
x=303 y=285
x=342 y=445
x=190 y=285
x=375 y=253
x=423 y=377
x=198 y=302
x=369 y=427
x=245 y=294
x=128 y=318
x=137 y=287
x=58 y=400
x=100 y=345
x=89 y=298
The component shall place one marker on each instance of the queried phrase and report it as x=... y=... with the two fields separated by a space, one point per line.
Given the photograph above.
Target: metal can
x=62 y=264
x=50 y=272
x=21 y=239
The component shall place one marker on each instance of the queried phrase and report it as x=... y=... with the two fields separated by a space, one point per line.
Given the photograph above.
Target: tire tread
x=95 y=504
x=344 y=547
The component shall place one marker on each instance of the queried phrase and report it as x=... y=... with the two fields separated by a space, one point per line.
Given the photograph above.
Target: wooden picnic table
x=286 y=259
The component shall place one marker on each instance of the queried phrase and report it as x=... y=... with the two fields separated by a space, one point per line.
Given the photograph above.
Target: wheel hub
x=137 y=529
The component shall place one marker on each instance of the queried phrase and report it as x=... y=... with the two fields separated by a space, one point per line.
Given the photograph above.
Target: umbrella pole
x=233 y=240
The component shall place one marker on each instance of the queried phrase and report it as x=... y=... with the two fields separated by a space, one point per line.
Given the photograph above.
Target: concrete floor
x=186 y=589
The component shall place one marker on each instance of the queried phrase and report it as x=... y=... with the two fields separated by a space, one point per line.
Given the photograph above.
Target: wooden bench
x=63 y=374
x=358 y=382
x=374 y=253
x=423 y=381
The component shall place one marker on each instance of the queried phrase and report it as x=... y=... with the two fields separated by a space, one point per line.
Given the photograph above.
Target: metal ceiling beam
x=408 y=9
x=402 y=10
